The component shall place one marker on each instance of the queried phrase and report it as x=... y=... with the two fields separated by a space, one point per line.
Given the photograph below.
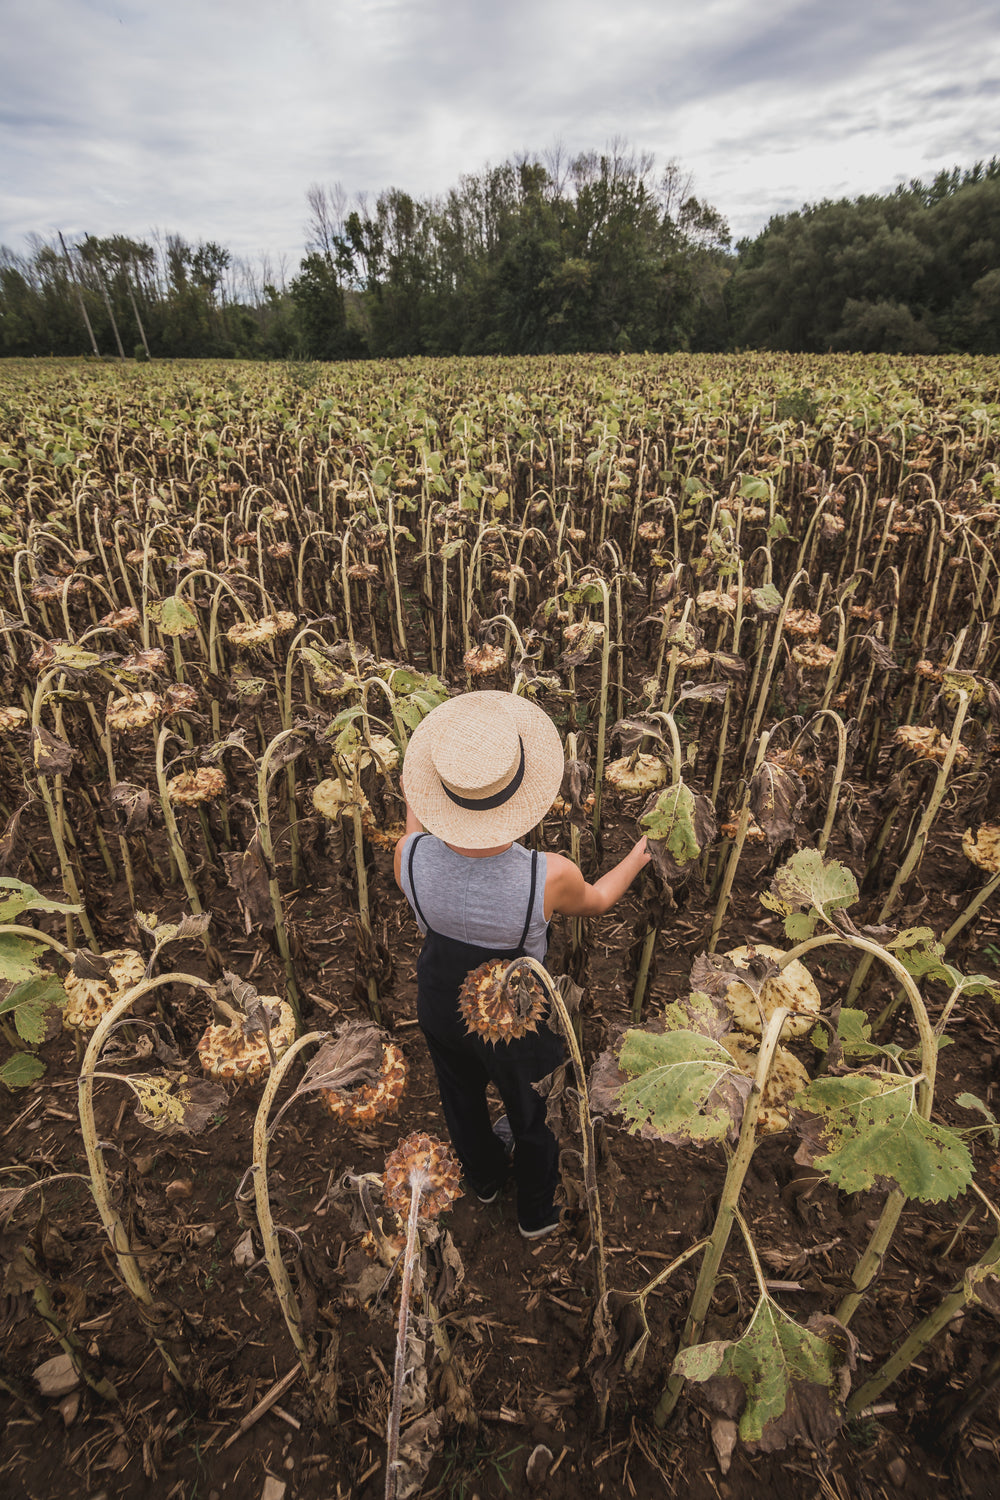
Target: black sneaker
x=549 y=1226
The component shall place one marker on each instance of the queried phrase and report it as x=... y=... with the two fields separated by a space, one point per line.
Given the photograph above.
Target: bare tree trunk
x=107 y=304
x=135 y=309
x=79 y=297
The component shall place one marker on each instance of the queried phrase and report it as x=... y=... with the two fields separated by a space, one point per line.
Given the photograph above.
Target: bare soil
x=518 y=1322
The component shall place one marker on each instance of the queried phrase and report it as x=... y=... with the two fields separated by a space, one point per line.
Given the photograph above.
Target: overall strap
x=531 y=897
x=413 y=889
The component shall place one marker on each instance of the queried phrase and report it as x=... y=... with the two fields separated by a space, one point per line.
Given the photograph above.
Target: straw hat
x=483 y=768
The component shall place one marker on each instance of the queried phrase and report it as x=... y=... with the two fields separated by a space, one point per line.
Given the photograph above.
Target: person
x=480 y=771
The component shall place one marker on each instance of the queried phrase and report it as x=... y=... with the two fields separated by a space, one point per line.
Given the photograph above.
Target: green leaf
x=18 y=958
x=767 y=599
x=680 y=1084
x=807 y=882
x=775 y=1355
x=30 y=1002
x=753 y=488
x=671 y=822
x=21 y=1069
x=871 y=1129
x=778 y=529
x=24 y=898
x=176 y=616
x=921 y=955
x=800 y=926
x=969 y=1101
x=854 y=1030
x=587 y=593
x=75 y=658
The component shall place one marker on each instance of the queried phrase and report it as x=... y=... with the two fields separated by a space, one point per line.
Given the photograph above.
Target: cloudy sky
x=211 y=118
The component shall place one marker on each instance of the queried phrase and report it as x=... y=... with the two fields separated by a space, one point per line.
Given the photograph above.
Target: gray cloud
x=212 y=117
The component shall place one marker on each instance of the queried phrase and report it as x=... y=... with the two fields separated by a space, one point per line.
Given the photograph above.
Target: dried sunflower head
x=575 y=632
x=179 y=697
x=793 y=988
x=802 y=622
x=498 y=1014
x=134 y=711
x=694 y=661
x=251 y=632
x=426 y=1161
x=983 y=849
x=927 y=743
x=370 y=1101
x=153 y=659
x=43 y=655
x=225 y=1053
x=284 y=621
x=481 y=661
x=813 y=656
x=331 y=798
x=202 y=785
x=652 y=532
x=279 y=550
x=786 y=1079
x=720 y=601
x=120 y=619
x=87 y=1000
x=12 y=718
x=636 y=778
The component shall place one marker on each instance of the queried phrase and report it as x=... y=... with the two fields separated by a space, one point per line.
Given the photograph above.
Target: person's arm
x=569 y=895
x=413 y=825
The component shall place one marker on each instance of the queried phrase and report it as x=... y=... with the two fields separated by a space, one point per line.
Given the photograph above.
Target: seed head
x=426 y=1160
x=496 y=1013
x=371 y=1101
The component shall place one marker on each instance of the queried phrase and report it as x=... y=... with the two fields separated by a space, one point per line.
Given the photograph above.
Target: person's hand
x=640 y=850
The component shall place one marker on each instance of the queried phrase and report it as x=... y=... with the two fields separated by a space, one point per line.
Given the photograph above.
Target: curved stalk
x=929 y=1327
x=588 y=1152
x=267 y=847
x=269 y=1238
x=402 y=1332
x=115 y=1229
x=170 y=823
x=739 y=1162
x=916 y=848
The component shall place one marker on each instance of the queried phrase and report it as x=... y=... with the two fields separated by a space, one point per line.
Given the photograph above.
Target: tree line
x=599 y=252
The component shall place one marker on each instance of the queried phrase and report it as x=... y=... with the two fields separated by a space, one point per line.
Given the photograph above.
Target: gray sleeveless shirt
x=481 y=901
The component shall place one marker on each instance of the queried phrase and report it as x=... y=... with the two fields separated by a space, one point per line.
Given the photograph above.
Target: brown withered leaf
x=235 y=740
x=575 y=785
x=12 y=844
x=732 y=667
x=246 y=872
x=130 y=806
x=632 y=731
x=175 y=1104
x=881 y=655
x=351 y=1057
x=702 y=692
x=777 y=797
x=87 y=965
x=575 y=656
x=50 y=754
x=714 y=972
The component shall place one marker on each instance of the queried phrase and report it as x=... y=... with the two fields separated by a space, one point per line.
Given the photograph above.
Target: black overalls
x=465 y=1063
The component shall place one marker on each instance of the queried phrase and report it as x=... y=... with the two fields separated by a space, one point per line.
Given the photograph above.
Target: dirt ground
x=518 y=1321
